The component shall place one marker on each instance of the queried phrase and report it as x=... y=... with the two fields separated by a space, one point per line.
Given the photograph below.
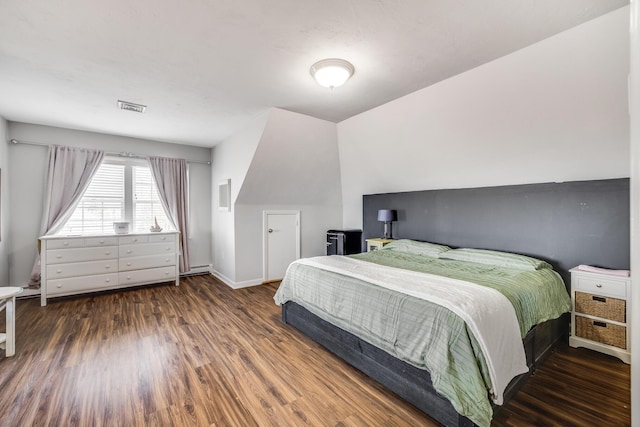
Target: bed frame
x=411 y=383
x=565 y=224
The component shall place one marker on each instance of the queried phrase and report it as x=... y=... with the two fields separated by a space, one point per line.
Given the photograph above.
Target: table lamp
x=387 y=216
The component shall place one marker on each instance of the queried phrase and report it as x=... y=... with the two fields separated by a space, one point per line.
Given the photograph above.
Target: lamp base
x=387 y=230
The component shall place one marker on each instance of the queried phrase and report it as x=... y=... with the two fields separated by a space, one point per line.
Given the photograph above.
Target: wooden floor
x=202 y=354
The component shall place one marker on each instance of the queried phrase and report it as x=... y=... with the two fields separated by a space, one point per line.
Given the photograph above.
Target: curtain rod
x=110 y=153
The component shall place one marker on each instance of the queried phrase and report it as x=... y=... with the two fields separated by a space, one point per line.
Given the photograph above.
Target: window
x=147 y=207
x=101 y=205
x=121 y=190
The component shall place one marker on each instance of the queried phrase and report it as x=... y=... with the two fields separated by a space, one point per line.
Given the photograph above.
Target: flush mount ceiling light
x=332 y=72
x=130 y=106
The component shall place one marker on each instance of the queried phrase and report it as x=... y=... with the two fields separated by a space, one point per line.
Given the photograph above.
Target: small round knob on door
x=270 y=230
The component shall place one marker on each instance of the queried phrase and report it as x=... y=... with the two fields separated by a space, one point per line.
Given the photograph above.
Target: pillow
x=416 y=247
x=499 y=259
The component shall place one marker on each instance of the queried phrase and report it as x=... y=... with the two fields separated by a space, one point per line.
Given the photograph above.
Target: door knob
x=270 y=230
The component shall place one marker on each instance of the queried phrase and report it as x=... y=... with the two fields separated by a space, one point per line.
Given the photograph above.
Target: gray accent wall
x=566 y=224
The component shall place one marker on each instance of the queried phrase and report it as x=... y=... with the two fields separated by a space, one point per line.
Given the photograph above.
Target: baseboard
x=236 y=285
x=197 y=269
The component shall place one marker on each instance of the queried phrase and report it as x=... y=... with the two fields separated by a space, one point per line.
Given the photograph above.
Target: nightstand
x=601 y=314
x=377 y=243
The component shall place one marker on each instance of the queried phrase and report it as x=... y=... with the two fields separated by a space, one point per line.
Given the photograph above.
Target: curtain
x=173 y=189
x=68 y=176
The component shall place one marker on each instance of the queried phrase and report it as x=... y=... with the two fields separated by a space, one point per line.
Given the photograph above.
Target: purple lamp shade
x=387 y=215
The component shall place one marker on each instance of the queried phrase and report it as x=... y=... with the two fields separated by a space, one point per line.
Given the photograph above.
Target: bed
x=453 y=331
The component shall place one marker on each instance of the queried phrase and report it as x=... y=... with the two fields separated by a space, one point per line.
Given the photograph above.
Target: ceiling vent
x=130 y=106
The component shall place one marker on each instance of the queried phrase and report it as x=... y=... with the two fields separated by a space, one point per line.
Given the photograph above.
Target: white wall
x=634 y=98
x=28 y=165
x=231 y=160
x=295 y=167
x=5 y=234
x=284 y=161
x=554 y=111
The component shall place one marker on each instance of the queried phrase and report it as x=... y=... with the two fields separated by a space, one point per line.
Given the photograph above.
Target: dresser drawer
x=137 y=263
x=127 y=251
x=100 y=241
x=599 y=306
x=159 y=238
x=65 y=243
x=603 y=332
x=132 y=240
x=61 y=256
x=149 y=275
x=81 y=284
x=59 y=271
x=604 y=287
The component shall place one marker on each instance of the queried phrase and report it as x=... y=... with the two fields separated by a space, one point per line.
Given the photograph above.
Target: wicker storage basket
x=607 y=308
x=604 y=332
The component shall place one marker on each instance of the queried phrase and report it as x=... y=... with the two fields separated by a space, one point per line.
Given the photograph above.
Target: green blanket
x=419 y=332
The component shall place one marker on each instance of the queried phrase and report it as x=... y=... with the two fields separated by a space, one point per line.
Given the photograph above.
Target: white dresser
x=80 y=264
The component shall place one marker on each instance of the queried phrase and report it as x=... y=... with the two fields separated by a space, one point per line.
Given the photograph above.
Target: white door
x=281 y=242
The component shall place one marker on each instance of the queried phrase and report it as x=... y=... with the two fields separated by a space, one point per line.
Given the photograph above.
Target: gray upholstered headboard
x=566 y=224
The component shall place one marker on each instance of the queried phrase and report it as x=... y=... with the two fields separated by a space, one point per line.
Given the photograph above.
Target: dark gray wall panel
x=566 y=224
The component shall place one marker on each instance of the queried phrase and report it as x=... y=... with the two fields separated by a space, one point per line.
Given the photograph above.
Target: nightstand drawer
x=603 y=332
x=597 y=286
x=599 y=306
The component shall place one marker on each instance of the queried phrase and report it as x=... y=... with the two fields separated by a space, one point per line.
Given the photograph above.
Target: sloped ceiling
x=296 y=162
x=206 y=69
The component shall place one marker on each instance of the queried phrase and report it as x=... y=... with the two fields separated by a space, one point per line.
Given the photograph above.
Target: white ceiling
x=206 y=68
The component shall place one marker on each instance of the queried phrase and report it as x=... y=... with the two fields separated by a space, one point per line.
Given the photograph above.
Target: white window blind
x=121 y=190
x=146 y=203
x=101 y=205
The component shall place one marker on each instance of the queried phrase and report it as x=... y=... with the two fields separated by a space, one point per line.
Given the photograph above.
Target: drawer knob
x=58 y=286
x=598 y=285
x=58 y=256
x=164 y=238
x=66 y=243
x=166 y=273
x=135 y=240
x=167 y=260
x=128 y=264
x=128 y=277
x=107 y=267
x=168 y=249
x=101 y=241
x=108 y=253
x=58 y=271
x=129 y=251
x=107 y=280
